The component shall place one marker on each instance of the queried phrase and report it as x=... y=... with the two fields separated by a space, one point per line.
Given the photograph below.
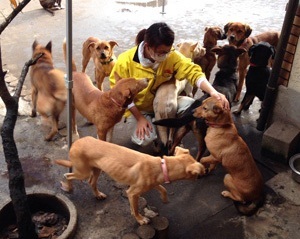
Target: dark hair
x=157 y=34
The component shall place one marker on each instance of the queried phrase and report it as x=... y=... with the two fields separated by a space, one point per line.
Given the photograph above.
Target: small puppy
x=208 y=61
x=103 y=56
x=243 y=180
x=258 y=74
x=238 y=34
x=103 y=109
x=48 y=90
x=142 y=172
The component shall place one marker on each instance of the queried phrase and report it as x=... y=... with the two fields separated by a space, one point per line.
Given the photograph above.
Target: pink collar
x=165 y=170
x=117 y=103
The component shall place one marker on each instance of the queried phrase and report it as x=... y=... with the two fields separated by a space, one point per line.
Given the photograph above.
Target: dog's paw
x=225 y=194
x=65 y=187
x=143 y=220
x=100 y=195
x=33 y=114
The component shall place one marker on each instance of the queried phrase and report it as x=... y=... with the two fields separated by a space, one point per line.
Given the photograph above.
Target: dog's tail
x=175 y=122
x=74 y=68
x=249 y=208
x=64 y=162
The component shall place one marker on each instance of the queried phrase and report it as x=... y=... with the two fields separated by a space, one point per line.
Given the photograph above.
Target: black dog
x=225 y=82
x=258 y=74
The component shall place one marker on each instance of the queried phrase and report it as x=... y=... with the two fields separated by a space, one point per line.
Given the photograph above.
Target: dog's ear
x=92 y=44
x=113 y=44
x=220 y=34
x=127 y=94
x=240 y=51
x=272 y=48
x=248 y=30
x=217 y=109
x=216 y=49
x=34 y=44
x=180 y=150
x=226 y=27
x=193 y=46
x=49 y=46
x=250 y=51
x=194 y=169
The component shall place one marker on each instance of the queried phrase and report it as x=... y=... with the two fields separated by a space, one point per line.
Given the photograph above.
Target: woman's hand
x=143 y=127
x=221 y=97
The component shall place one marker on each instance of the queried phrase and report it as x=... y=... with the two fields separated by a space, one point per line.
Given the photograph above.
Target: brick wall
x=288 y=59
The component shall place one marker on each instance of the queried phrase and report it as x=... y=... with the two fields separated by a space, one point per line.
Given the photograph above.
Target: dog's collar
x=252 y=64
x=165 y=170
x=107 y=62
x=117 y=103
x=217 y=125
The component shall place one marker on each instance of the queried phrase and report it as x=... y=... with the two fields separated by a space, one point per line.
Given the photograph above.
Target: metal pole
x=69 y=81
x=163 y=7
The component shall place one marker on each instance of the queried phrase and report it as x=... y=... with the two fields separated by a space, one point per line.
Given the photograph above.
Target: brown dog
x=103 y=57
x=103 y=109
x=142 y=172
x=208 y=61
x=238 y=34
x=48 y=90
x=243 y=180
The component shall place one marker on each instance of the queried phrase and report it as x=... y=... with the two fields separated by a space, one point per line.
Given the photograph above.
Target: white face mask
x=157 y=57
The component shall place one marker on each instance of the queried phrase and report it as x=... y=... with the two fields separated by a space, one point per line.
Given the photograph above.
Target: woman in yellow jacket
x=154 y=58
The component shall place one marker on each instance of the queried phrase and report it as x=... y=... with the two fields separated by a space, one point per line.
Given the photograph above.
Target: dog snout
x=232 y=37
x=223 y=36
x=102 y=56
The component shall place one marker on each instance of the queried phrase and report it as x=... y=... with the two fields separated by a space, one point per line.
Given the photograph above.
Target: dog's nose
x=232 y=37
x=223 y=36
x=103 y=56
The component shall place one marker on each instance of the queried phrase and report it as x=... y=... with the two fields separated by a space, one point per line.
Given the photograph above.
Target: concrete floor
x=196 y=208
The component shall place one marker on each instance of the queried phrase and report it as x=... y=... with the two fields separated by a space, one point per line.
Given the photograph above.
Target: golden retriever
x=102 y=53
x=243 y=180
x=142 y=172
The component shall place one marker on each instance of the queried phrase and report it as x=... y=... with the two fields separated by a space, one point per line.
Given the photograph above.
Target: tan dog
x=142 y=172
x=208 y=61
x=103 y=109
x=48 y=90
x=238 y=34
x=192 y=50
x=103 y=57
x=243 y=180
x=165 y=101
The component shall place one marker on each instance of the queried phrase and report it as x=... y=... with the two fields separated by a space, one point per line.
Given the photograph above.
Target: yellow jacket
x=128 y=65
